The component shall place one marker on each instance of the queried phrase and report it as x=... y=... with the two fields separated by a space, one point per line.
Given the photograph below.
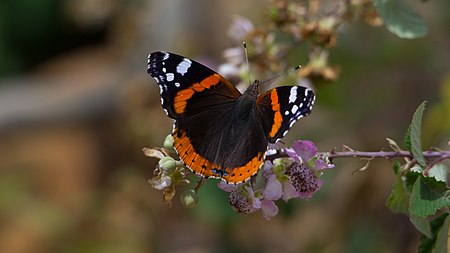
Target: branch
x=438 y=155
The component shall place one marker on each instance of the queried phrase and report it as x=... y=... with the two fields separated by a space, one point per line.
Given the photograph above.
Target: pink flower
x=244 y=201
x=277 y=186
x=304 y=180
x=302 y=151
x=286 y=179
x=269 y=209
x=273 y=189
x=298 y=179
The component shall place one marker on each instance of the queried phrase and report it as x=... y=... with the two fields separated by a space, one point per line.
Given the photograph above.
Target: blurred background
x=77 y=107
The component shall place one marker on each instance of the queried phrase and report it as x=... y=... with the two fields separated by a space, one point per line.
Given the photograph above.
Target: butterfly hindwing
x=281 y=107
x=180 y=78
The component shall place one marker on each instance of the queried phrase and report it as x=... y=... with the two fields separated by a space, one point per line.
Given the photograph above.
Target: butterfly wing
x=180 y=78
x=281 y=107
x=202 y=103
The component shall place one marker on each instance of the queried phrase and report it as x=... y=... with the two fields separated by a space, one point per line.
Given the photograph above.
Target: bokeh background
x=77 y=107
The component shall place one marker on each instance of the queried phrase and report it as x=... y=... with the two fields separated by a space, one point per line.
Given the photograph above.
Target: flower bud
x=167 y=165
x=168 y=142
x=189 y=198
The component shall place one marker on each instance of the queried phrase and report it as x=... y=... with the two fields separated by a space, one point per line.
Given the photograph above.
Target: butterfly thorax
x=246 y=104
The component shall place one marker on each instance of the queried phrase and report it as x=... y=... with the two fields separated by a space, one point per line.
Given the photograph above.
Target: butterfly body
x=219 y=132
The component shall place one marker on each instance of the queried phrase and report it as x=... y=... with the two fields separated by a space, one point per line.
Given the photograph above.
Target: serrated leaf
x=428 y=196
x=398 y=200
x=439 y=172
x=415 y=135
x=437 y=243
x=422 y=225
x=400 y=19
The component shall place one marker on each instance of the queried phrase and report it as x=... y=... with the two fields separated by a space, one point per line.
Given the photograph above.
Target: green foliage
x=421 y=192
x=428 y=196
x=439 y=172
x=398 y=201
x=422 y=225
x=415 y=134
x=400 y=19
x=437 y=242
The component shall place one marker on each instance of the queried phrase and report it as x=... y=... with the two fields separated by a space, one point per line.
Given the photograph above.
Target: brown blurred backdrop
x=77 y=107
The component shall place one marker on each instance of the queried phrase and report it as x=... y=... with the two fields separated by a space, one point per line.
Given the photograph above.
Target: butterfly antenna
x=246 y=61
x=279 y=75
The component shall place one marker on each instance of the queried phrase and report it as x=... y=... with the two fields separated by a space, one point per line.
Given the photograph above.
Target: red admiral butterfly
x=219 y=132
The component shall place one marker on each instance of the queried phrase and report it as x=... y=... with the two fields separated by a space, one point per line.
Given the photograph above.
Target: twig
x=438 y=155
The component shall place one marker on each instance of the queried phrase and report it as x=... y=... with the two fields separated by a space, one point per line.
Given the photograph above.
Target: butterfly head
x=253 y=89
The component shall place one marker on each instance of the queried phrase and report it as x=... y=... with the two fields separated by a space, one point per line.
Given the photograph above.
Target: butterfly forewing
x=179 y=78
x=281 y=107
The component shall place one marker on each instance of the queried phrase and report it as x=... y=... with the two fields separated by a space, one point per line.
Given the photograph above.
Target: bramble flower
x=278 y=184
x=295 y=178
x=304 y=180
x=302 y=151
x=304 y=173
x=244 y=200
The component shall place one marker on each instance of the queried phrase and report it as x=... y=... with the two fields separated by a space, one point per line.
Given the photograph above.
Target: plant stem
x=440 y=155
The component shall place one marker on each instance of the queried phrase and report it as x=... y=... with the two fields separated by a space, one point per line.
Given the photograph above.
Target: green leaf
x=400 y=19
x=396 y=167
x=398 y=200
x=415 y=135
x=422 y=225
x=441 y=245
x=437 y=243
x=439 y=172
x=428 y=196
x=410 y=178
x=408 y=138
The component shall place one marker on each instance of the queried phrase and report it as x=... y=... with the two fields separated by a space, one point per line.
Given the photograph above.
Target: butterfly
x=218 y=131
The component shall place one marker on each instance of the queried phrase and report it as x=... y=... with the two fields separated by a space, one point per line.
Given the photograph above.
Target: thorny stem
x=438 y=156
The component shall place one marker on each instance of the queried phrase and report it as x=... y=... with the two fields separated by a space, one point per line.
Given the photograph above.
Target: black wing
x=281 y=107
x=179 y=78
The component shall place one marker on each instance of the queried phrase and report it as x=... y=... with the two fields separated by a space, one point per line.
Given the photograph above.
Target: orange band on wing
x=240 y=174
x=202 y=166
x=182 y=96
x=190 y=157
x=278 y=119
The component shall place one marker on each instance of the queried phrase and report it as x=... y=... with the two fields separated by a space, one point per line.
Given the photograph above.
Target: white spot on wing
x=294 y=109
x=183 y=67
x=164 y=70
x=166 y=56
x=170 y=77
x=293 y=95
x=177 y=84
